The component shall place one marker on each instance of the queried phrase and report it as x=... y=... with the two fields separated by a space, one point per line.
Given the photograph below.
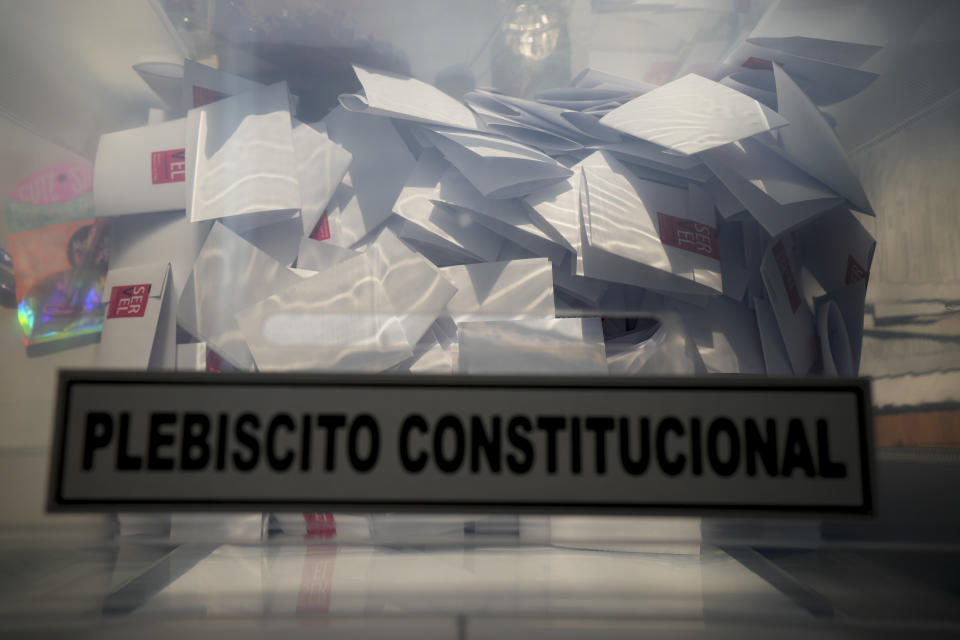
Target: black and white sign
x=173 y=441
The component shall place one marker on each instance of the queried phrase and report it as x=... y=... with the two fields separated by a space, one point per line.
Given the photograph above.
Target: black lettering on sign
x=600 y=426
x=160 y=438
x=490 y=444
x=796 y=453
x=97 y=435
x=306 y=443
x=717 y=428
x=361 y=423
x=410 y=423
x=576 y=455
x=248 y=441
x=828 y=468
x=125 y=460
x=696 y=449
x=331 y=422
x=449 y=424
x=758 y=446
x=551 y=425
x=222 y=442
x=520 y=441
x=194 y=445
x=278 y=462
x=635 y=466
x=670 y=466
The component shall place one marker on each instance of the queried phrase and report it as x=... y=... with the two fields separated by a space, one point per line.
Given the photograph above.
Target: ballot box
x=501 y=317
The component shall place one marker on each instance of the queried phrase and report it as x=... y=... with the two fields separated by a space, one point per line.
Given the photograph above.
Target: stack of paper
x=608 y=226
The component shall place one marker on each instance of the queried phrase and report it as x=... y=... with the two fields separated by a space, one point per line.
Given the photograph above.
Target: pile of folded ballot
x=605 y=227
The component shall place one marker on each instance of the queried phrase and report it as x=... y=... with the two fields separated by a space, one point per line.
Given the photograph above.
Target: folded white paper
x=417 y=290
x=835 y=351
x=497 y=167
x=511 y=290
x=642 y=233
x=240 y=157
x=776 y=360
x=340 y=319
x=139 y=330
x=380 y=167
x=428 y=223
x=508 y=218
x=811 y=144
x=726 y=335
x=553 y=346
x=849 y=300
x=229 y=274
x=203 y=85
x=399 y=96
x=166 y=80
x=279 y=240
x=776 y=218
x=692 y=114
x=781 y=278
x=321 y=165
x=317 y=256
x=192 y=356
x=665 y=351
x=837 y=249
x=158 y=237
x=556 y=208
x=141 y=170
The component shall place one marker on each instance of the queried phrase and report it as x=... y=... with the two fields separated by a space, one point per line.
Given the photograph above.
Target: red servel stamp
x=855 y=272
x=688 y=235
x=128 y=301
x=168 y=166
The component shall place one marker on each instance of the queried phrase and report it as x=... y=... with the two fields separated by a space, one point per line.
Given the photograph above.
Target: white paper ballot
x=427 y=223
x=663 y=349
x=692 y=114
x=317 y=256
x=203 y=85
x=166 y=80
x=321 y=165
x=661 y=243
x=776 y=360
x=726 y=335
x=556 y=208
x=508 y=218
x=141 y=170
x=849 y=301
x=811 y=144
x=775 y=218
x=340 y=319
x=769 y=172
x=835 y=351
x=192 y=356
x=279 y=240
x=230 y=274
x=158 y=237
x=390 y=94
x=511 y=290
x=139 y=330
x=781 y=278
x=848 y=54
x=380 y=167
x=836 y=249
x=240 y=157
x=417 y=290
x=497 y=167
x=552 y=346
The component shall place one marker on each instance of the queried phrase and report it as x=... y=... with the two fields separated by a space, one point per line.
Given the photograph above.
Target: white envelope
x=733 y=265
x=317 y=256
x=390 y=94
x=552 y=346
x=139 y=330
x=279 y=240
x=240 y=157
x=158 y=237
x=341 y=319
x=141 y=170
x=508 y=218
x=776 y=360
x=497 y=167
x=192 y=356
x=202 y=85
x=726 y=203
x=849 y=300
x=426 y=223
x=773 y=216
x=692 y=114
x=229 y=274
x=511 y=290
x=642 y=233
x=666 y=351
x=321 y=165
x=166 y=80
x=837 y=249
x=417 y=290
x=781 y=278
x=556 y=208
x=726 y=335
x=380 y=167
x=811 y=144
